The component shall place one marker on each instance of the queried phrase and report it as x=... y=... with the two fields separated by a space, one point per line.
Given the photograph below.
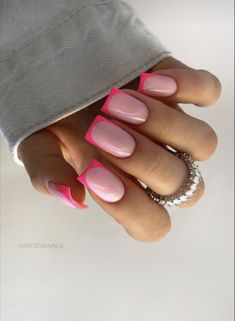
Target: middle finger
x=162 y=123
x=138 y=155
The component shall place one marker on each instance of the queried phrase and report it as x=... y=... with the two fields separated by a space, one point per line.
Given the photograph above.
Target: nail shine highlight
x=157 y=85
x=110 y=137
x=125 y=107
x=63 y=194
x=102 y=182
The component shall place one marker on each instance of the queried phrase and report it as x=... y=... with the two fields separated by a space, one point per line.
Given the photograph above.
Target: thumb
x=49 y=173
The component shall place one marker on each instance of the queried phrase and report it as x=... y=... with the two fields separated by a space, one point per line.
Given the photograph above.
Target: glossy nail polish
x=63 y=194
x=110 y=137
x=125 y=107
x=102 y=182
x=157 y=85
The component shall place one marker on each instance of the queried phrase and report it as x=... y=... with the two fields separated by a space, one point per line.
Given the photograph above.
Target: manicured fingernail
x=110 y=137
x=63 y=194
x=102 y=182
x=125 y=107
x=157 y=85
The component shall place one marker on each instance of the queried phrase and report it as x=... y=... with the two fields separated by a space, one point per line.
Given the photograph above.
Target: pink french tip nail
x=63 y=194
x=110 y=137
x=157 y=85
x=125 y=107
x=102 y=182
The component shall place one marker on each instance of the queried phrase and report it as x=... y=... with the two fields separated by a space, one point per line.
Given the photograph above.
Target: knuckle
x=151 y=231
x=154 y=163
x=209 y=141
x=35 y=181
x=211 y=83
x=217 y=87
x=161 y=231
x=198 y=84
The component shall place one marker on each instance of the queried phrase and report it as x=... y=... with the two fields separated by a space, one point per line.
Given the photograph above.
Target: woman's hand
x=130 y=143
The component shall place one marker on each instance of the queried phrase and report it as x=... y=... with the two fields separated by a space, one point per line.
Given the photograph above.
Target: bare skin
x=60 y=153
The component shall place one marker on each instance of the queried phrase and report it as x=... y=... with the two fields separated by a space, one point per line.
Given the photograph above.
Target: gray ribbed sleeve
x=59 y=56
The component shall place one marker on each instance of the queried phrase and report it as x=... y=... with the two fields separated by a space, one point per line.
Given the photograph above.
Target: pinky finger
x=125 y=200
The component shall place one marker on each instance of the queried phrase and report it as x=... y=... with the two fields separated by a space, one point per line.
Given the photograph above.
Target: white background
x=101 y=274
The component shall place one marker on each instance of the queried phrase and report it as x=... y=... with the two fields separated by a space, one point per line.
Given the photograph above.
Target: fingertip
x=63 y=194
x=113 y=91
x=143 y=77
x=103 y=182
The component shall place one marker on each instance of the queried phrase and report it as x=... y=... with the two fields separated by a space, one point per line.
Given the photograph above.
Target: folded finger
x=50 y=174
x=126 y=202
x=138 y=155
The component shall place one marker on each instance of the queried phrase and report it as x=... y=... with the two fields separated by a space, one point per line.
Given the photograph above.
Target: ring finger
x=138 y=155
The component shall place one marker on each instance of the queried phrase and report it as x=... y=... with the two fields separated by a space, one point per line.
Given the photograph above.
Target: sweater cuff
x=72 y=65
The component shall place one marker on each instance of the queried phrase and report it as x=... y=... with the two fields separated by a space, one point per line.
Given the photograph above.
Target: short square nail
x=125 y=107
x=157 y=85
x=110 y=137
x=63 y=194
x=102 y=182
